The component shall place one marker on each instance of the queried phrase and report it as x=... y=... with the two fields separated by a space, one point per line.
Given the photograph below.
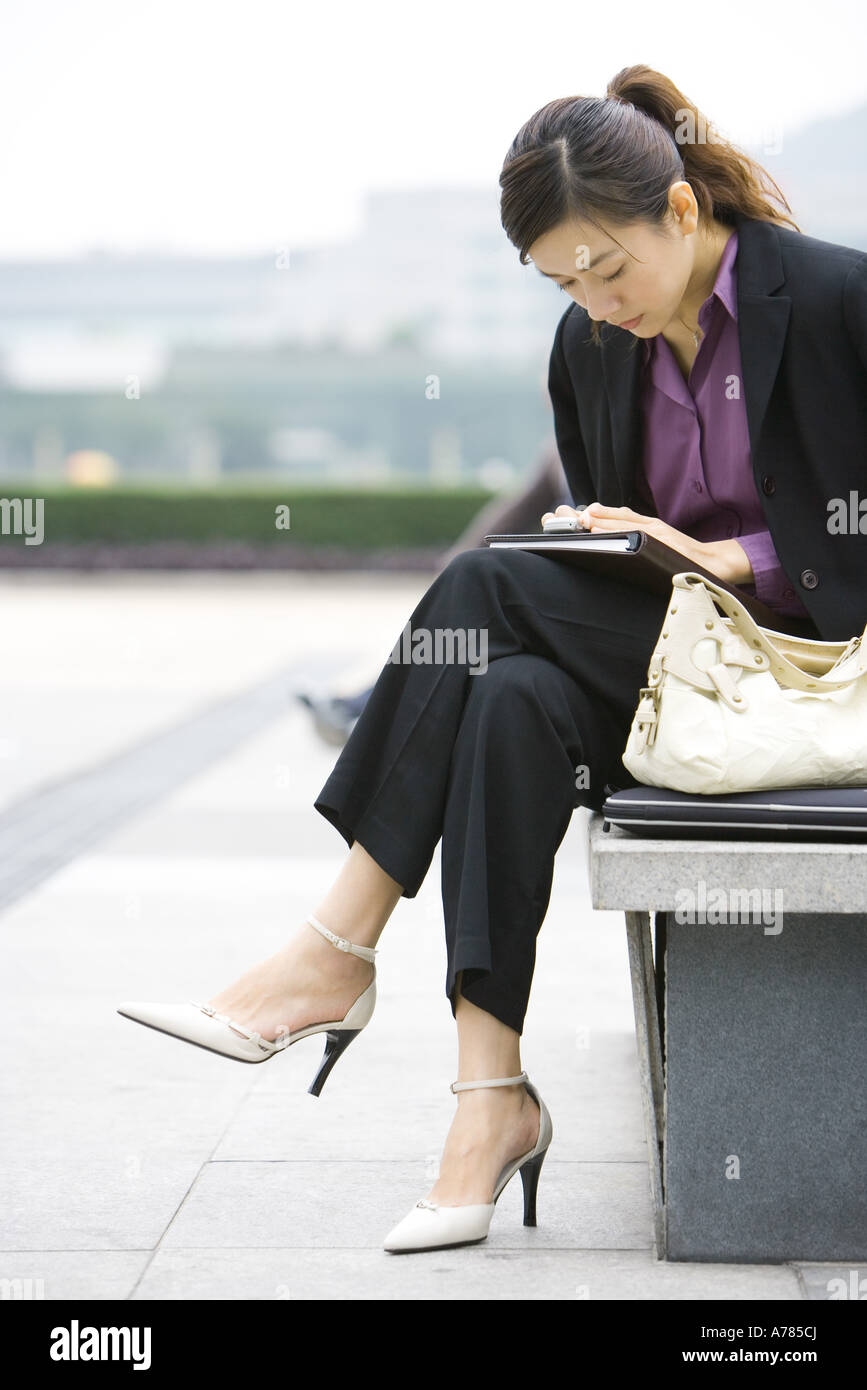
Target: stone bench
x=752 y=1039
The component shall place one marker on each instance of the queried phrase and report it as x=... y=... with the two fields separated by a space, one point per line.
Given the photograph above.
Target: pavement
x=156 y=790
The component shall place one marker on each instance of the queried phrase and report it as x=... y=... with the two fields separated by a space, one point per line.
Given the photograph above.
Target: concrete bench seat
x=750 y=998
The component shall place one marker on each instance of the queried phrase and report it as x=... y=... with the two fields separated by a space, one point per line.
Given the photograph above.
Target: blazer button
x=809 y=579
x=769 y=485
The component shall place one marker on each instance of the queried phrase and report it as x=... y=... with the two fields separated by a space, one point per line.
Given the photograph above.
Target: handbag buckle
x=850 y=649
x=646 y=717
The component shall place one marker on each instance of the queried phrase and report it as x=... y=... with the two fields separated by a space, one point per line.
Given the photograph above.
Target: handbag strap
x=754 y=651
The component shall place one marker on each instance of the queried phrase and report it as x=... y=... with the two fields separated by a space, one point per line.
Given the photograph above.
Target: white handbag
x=733 y=707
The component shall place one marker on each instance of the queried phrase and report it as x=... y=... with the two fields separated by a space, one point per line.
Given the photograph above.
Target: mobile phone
x=563 y=523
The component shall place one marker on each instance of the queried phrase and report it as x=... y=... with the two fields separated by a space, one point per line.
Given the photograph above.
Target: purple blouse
x=696 y=457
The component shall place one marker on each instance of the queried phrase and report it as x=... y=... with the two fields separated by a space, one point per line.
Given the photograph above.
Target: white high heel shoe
x=198 y=1024
x=432 y=1227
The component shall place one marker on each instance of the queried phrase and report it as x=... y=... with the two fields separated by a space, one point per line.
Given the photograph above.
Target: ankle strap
x=365 y=952
x=499 y=1081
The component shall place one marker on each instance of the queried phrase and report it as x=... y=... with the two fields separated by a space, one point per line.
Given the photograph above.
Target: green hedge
x=357 y=520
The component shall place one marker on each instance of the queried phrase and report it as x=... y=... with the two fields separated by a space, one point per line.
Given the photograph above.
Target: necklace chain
x=694 y=331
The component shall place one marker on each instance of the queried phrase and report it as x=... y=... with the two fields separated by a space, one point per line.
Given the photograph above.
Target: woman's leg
x=528 y=737
x=307 y=980
x=531 y=745
x=388 y=789
x=491 y=1125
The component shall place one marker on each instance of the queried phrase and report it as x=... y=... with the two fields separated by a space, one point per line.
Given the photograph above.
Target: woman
x=721 y=407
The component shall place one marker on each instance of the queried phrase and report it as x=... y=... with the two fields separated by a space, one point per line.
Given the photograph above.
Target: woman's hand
x=726 y=559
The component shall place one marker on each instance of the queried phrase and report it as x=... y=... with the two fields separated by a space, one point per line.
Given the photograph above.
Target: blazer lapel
x=763 y=317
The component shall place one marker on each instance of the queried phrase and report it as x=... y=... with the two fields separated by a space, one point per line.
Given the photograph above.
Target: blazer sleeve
x=567 y=429
x=855 y=308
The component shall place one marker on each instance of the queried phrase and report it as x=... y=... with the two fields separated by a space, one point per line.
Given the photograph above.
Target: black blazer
x=802 y=328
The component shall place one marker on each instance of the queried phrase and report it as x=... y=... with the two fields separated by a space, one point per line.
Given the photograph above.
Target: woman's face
x=643 y=278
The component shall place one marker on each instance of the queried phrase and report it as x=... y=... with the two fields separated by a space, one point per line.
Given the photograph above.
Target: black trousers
x=494 y=763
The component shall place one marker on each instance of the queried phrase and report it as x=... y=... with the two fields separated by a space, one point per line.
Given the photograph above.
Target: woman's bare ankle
x=332 y=959
x=309 y=980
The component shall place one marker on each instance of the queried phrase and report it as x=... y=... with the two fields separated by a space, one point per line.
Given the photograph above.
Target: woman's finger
x=624 y=513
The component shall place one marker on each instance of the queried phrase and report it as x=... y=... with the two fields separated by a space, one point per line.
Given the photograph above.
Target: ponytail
x=725 y=181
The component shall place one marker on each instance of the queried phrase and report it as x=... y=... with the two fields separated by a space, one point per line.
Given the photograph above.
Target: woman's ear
x=684 y=207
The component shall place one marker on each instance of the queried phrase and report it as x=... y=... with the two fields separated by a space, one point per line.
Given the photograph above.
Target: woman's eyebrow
x=552 y=274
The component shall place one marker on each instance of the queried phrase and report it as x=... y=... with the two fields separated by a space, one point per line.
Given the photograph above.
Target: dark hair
x=615 y=158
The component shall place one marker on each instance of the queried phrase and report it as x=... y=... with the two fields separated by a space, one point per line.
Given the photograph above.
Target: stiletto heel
x=530 y=1178
x=335 y=1045
x=432 y=1227
x=203 y=1027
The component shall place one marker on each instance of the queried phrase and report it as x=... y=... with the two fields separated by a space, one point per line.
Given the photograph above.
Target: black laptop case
x=838 y=813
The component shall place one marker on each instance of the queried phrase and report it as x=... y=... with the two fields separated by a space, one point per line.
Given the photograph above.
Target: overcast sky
x=237 y=127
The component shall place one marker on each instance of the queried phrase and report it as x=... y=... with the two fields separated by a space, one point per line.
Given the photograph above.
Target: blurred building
x=431 y=268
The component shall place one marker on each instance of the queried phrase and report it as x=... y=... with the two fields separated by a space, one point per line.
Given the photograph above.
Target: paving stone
x=374 y=1090
x=71 y=1274
x=476 y=1272
x=126 y=653
x=86 y=1199
x=356 y=1203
